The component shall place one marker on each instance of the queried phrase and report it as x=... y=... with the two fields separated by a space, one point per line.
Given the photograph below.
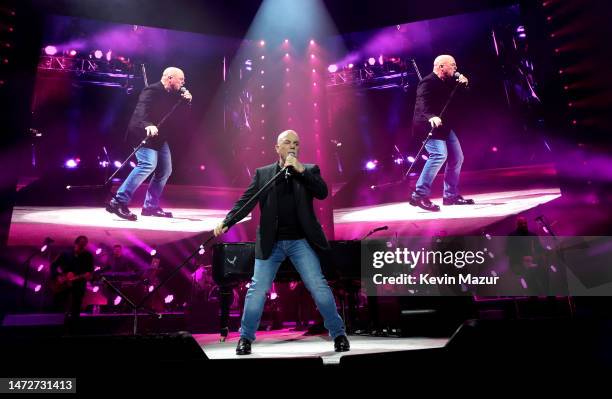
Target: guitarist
x=69 y=274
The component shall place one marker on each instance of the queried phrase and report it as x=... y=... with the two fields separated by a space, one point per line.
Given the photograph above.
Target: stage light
x=202 y=250
x=37 y=288
x=314 y=104
x=262 y=72
x=411 y=159
x=95 y=289
x=262 y=43
x=314 y=70
x=287 y=69
x=351 y=66
x=153 y=252
x=273 y=296
x=109 y=55
x=151 y=288
x=262 y=86
x=371 y=61
x=380 y=59
x=312 y=42
x=263 y=57
x=98 y=54
x=312 y=56
x=398 y=161
x=72 y=53
x=71 y=163
x=286 y=41
x=332 y=68
x=553 y=268
x=97 y=268
x=314 y=84
x=40 y=268
x=50 y=50
x=132 y=164
x=44 y=248
x=98 y=251
x=117 y=300
x=425 y=157
x=494 y=149
x=117 y=164
x=169 y=298
x=263 y=105
x=370 y=165
x=202 y=167
x=286 y=55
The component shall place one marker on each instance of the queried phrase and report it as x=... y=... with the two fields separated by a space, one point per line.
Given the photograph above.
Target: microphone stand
x=140 y=304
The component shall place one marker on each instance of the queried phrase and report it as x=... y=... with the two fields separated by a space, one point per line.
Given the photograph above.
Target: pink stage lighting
x=71 y=163
x=37 y=288
x=50 y=50
x=117 y=300
x=40 y=267
x=411 y=159
x=153 y=252
x=95 y=289
x=370 y=165
x=117 y=164
x=371 y=61
x=98 y=54
x=72 y=53
x=332 y=68
x=169 y=298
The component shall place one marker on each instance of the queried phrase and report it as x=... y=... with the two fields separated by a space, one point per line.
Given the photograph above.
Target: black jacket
x=153 y=104
x=432 y=94
x=306 y=186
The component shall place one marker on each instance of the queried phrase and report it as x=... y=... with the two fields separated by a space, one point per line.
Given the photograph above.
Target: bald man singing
x=288 y=228
x=154 y=102
x=433 y=92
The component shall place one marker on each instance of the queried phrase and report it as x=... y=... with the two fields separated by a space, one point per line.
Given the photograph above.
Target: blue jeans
x=307 y=264
x=158 y=162
x=439 y=151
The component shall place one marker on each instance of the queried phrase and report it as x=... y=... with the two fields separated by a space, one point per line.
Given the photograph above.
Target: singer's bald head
x=284 y=134
x=287 y=142
x=444 y=66
x=173 y=78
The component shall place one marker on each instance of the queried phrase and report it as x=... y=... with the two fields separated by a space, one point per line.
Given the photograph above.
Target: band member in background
x=288 y=228
x=155 y=101
x=432 y=94
x=118 y=263
x=69 y=275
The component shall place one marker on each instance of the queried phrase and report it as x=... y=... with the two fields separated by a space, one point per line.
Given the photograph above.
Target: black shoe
x=341 y=344
x=243 y=347
x=120 y=210
x=155 y=212
x=424 y=203
x=458 y=200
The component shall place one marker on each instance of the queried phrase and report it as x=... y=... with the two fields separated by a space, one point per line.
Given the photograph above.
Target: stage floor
x=30 y=225
x=499 y=193
x=290 y=344
x=405 y=220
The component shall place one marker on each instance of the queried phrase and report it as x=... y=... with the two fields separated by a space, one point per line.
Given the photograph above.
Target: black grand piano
x=233 y=263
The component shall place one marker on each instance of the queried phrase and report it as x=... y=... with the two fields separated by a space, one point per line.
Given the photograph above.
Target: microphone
x=457 y=75
x=183 y=90
x=289 y=168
